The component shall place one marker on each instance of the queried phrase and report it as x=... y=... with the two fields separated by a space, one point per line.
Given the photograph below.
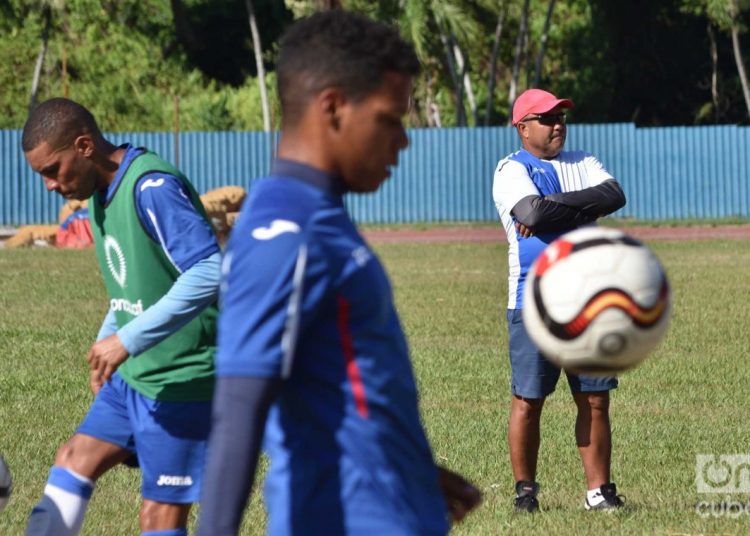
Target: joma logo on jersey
x=151 y=183
x=276 y=228
x=173 y=480
x=121 y=304
x=115 y=260
x=361 y=255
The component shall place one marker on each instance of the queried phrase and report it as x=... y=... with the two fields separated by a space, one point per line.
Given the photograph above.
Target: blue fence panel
x=210 y=159
x=446 y=174
x=24 y=197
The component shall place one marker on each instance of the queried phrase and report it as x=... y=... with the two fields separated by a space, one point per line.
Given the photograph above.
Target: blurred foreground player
x=152 y=364
x=309 y=339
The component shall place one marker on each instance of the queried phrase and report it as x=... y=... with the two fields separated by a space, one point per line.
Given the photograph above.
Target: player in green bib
x=152 y=364
x=179 y=367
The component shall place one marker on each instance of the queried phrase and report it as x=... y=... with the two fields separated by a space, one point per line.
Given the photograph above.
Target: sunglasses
x=548 y=120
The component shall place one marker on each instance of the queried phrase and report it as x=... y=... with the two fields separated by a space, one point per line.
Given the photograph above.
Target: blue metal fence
x=446 y=174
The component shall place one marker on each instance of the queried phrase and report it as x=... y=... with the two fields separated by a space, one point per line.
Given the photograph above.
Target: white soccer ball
x=6 y=483
x=596 y=302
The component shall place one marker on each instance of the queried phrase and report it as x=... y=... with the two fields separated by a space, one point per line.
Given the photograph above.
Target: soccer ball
x=596 y=302
x=6 y=484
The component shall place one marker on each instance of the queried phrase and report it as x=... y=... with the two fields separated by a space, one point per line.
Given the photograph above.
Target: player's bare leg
x=523 y=442
x=524 y=436
x=78 y=464
x=157 y=516
x=90 y=457
x=594 y=436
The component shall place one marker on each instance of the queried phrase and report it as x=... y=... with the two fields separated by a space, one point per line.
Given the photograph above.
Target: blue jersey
x=304 y=299
x=167 y=215
x=521 y=174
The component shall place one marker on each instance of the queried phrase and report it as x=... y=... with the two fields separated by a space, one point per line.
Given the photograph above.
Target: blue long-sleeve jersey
x=305 y=300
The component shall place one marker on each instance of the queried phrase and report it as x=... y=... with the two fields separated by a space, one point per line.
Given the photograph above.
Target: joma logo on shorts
x=171 y=480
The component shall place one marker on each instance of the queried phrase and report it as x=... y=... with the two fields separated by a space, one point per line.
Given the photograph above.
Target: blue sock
x=60 y=511
x=71 y=482
x=169 y=532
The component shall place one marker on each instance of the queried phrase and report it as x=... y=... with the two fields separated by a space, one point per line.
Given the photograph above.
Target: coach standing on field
x=152 y=364
x=308 y=326
x=540 y=192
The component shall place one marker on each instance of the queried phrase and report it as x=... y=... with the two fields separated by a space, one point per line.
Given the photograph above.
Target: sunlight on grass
x=687 y=399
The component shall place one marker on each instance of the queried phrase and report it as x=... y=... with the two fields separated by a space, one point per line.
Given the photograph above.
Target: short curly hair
x=342 y=49
x=58 y=122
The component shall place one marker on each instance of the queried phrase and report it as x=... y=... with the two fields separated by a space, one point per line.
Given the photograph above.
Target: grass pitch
x=689 y=398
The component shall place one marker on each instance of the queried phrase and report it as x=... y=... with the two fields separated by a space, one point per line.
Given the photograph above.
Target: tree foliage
x=654 y=62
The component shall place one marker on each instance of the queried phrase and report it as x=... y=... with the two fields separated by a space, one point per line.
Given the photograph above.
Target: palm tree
x=493 y=66
x=520 y=42
x=726 y=15
x=46 y=27
x=543 y=43
x=443 y=24
x=259 y=65
x=735 y=31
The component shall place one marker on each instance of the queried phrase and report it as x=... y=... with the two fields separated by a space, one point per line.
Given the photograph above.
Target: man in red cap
x=541 y=192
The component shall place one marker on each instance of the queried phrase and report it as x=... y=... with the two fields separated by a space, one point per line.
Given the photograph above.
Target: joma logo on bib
x=115 y=260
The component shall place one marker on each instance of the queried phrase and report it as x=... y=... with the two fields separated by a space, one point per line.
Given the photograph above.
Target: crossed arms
x=567 y=210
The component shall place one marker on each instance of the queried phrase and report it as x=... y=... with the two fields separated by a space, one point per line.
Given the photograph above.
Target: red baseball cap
x=536 y=101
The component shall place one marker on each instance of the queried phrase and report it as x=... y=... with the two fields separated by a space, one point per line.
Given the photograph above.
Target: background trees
x=148 y=64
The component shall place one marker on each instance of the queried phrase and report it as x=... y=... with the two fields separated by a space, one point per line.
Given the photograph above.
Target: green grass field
x=689 y=398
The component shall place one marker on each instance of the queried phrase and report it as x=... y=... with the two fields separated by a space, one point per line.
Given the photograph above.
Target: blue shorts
x=532 y=376
x=169 y=438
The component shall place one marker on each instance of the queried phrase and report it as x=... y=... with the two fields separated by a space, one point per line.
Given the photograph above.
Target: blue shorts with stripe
x=169 y=438
x=532 y=376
